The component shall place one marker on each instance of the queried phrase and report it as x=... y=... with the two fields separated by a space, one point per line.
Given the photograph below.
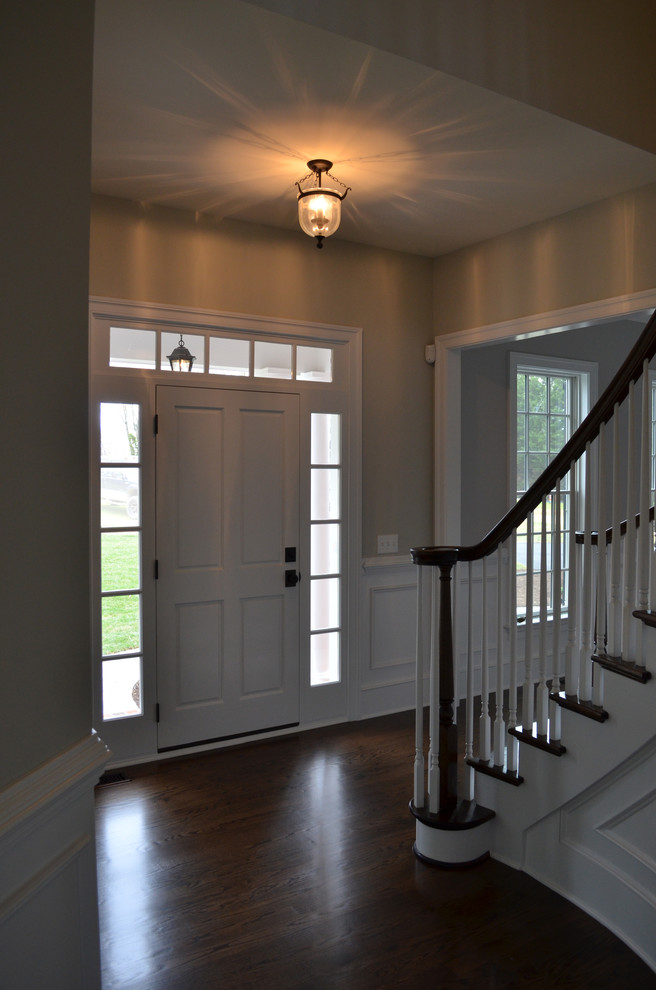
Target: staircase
x=560 y=757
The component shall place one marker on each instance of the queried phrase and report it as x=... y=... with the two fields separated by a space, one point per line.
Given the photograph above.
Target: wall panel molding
x=598 y=851
x=388 y=605
x=47 y=848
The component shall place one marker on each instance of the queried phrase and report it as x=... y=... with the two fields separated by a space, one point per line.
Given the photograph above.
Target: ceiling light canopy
x=319 y=206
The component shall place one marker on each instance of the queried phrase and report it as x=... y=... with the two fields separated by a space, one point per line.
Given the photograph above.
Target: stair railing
x=605 y=582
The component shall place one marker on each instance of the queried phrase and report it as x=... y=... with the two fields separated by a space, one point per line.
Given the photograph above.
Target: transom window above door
x=215 y=354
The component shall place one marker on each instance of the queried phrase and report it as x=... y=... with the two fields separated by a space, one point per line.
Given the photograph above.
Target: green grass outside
x=121 y=625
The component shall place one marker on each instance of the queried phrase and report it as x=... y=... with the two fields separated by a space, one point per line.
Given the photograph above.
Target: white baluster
x=600 y=610
x=630 y=537
x=652 y=566
x=455 y=634
x=528 y=698
x=571 y=657
x=469 y=721
x=585 y=652
x=499 y=724
x=512 y=744
x=433 y=752
x=556 y=584
x=642 y=599
x=614 y=647
x=418 y=799
x=542 y=700
x=484 y=744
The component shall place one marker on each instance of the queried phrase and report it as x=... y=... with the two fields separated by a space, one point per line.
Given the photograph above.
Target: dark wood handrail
x=630 y=371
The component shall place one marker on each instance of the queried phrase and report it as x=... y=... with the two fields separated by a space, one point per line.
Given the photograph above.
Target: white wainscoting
x=388 y=630
x=388 y=621
x=48 y=893
x=388 y=626
x=599 y=850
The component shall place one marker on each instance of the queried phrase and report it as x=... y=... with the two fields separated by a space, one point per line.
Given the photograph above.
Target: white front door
x=227 y=532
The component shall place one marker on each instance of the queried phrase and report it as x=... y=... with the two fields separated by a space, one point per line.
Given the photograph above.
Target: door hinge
x=156 y=569
x=155 y=425
x=157 y=712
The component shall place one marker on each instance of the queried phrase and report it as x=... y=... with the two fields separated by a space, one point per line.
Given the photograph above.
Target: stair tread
x=646 y=616
x=500 y=773
x=625 y=668
x=573 y=704
x=531 y=736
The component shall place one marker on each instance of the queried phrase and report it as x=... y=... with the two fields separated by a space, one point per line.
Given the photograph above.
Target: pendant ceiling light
x=319 y=206
x=180 y=357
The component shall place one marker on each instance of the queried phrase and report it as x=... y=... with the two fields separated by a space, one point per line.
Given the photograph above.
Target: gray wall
x=603 y=251
x=168 y=256
x=44 y=625
x=485 y=380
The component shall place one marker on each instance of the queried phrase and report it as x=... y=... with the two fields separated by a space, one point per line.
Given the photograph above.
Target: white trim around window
x=337 y=701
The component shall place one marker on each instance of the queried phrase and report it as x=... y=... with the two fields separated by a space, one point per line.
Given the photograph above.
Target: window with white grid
x=550 y=399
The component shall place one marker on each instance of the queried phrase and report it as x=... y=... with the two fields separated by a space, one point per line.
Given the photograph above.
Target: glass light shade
x=180 y=358
x=319 y=211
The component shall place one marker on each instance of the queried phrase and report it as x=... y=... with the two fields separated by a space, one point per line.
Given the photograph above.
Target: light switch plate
x=388 y=544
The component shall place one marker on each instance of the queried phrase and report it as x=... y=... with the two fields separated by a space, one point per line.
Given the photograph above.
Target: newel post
x=455 y=832
x=448 y=733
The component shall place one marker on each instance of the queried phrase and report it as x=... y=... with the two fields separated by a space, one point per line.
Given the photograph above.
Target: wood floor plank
x=287 y=864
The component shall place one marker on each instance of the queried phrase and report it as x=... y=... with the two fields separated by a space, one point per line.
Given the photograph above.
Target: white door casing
x=135 y=738
x=227 y=509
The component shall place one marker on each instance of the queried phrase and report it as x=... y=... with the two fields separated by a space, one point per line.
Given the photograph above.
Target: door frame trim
x=104 y=311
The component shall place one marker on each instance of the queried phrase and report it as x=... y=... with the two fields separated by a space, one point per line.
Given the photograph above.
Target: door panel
x=198 y=652
x=227 y=506
x=198 y=498
x=262 y=457
x=263 y=644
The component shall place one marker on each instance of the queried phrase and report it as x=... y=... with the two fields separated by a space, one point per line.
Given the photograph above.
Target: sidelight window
x=120 y=559
x=325 y=541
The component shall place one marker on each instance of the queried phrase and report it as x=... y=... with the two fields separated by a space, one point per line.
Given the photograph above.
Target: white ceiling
x=216 y=106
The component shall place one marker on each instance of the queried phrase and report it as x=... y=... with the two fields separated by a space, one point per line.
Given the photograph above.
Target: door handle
x=291 y=579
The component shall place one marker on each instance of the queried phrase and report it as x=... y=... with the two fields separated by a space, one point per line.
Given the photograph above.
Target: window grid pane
x=230 y=357
x=121 y=686
x=545 y=403
x=119 y=561
x=130 y=348
x=194 y=343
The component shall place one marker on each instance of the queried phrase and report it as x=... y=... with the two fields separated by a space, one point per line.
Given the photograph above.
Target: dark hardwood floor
x=288 y=864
